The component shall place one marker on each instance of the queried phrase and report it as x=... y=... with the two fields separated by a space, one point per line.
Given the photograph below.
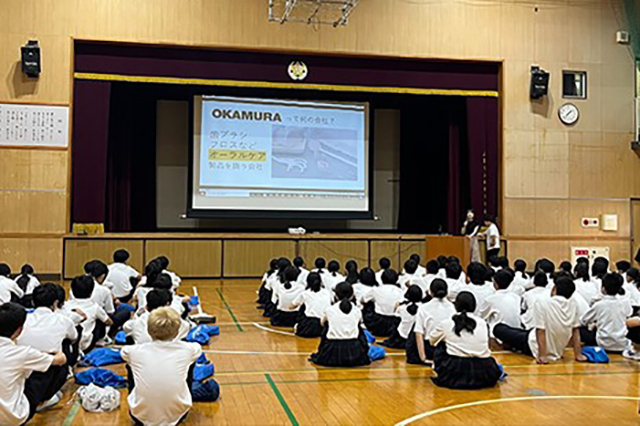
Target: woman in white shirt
x=430 y=314
x=264 y=293
x=407 y=311
x=492 y=236
x=462 y=358
x=383 y=320
x=286 y=313
x=344 y=343
x=311 y=303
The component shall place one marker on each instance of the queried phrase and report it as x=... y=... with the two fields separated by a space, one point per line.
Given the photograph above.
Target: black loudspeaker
x=31 y=59
x=539 y=83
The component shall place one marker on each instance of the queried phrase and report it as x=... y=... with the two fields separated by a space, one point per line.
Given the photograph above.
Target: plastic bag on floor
x=99 y=400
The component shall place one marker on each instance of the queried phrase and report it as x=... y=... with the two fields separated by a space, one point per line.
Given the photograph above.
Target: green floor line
x=68 y=421
x=226 y=305
x=287 y=410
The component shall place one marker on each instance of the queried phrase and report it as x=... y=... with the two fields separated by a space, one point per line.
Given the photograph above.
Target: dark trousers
x=588 y=337
x=492 y=253
x=72 y=349
x=119 y=317
x=516 y=338
x=41 y=387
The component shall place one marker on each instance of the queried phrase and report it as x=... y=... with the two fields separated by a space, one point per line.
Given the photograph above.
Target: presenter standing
x=470 y=229
x=492 y=236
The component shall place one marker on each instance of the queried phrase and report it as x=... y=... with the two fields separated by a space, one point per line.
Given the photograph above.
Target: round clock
x=568 y=114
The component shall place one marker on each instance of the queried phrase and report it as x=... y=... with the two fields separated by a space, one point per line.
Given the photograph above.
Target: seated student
x=462 y=357
x=463 y=275
x=9 y=290
x=630 y=282
x=383 y=320
x=161 y=399
x=566 y=266
x=122 y=276
x=46 y=329
x=343 y=343
x=264 y=293
x=521 y=280
x=351 y=269
x=312 y=303
x=531 y=297
x=503 y=262
x=136 y=329
x=27 y=283
x=442 y=262
x=333 y=276
x=480 y=288
x=70 y=348
x=163 y=261
x=608 y=316
x=430 y=314
x=410 y=276
x=106 y=300
x=622 y=266
x=163 y=282
x=286 y=313
x=584 y=286
x=599 y=269
x=494 y=263
x=82 y=288
x=555 y=323
x=320 y=266
x=407 y=311
x=384 y=264
x=419 y=269
x=31 y=380
x=366 y=280
x=453 y=270
x=633 y=278
x=432 y=272
x=548 y=267
x=274 y=285
x=151 y=272
x=298 y=262
x=503 y=306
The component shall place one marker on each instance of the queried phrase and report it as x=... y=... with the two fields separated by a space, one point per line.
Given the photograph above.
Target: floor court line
x=271 y=330
x=514 y=399
x=283 y=402
x=226 y=305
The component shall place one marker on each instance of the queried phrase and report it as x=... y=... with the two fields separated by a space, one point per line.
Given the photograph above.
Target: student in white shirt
x=45 y=329
x=320 y=266
x=136 y=328
x=503 y=307
x=83 y=287
x=27 y=283
x=30 y=379
x=430 y=314
x=622 y=266
x=555 y=323
x=344 y=344
x=453 y=270
x=599 y=269
x=419 y=268
x=410 y=276
x=366 y=281
x=384 y=264
x=332 y=277
x=521 y=280
x=159 y=372
x=9 y=290
x=608 y=316
x=531 y=297
x=384 y=320
x=164 y=265
x=312 y=303
x=480 y=288
x=631 y=292
x=442 y=262
x=274 y=285
x=106 y=300
x=407 y=311
x=298 y=262
x=492 y=236
x=264 y=293
x=286 y=313
x=432 y=272
x=584 y=286
x=351 y=272
x=462 y=358
x=122 y=276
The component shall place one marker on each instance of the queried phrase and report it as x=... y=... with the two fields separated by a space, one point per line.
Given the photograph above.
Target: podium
x=449 y=245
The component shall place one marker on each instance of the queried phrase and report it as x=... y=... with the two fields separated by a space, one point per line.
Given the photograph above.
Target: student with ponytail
x=312 y=304
x=351 y=267
x=407 y=311
x=343 y=343
x=27 y=282
x=286 y=313
x=264 y=294
x=274 y=285
x=333 y=275
x=383 y=321
x=462 y=357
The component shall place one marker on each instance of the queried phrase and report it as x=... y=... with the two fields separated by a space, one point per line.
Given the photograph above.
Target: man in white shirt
x=502 y=307
x=492 y=236
x=453 y=270
x=30 y=379
x=160 y=399
x=555 y=323
x=480 y=288
x=121 y=276
x=412 y=276
x=8 y=288
x=83 y=288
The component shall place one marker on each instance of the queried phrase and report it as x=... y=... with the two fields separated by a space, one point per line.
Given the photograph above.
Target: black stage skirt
x=284 y=319
x=342 y=353
x=308 y=326
x=395 y=341
x=264 y=296
x=381 y=325
x=464 y=373
x=413 y=356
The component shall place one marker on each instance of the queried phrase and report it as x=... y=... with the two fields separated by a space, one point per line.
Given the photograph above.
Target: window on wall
x=574 y=84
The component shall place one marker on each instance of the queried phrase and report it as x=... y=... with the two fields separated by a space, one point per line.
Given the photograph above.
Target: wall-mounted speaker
x=539 y=83
x=31 y=59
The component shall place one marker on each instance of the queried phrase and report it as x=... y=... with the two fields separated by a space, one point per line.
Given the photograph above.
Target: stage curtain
x=89 y=150
x=131 y=160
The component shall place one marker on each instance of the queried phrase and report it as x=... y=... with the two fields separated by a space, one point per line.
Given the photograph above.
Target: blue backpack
x=376 y=353
x=595 y=354
x=202 y=372
x=100 y=377
x=101 y=356
x=208 y=391
x=202 y=334
x=121 y=338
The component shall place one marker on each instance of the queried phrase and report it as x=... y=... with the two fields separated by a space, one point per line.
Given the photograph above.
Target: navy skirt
x=269 y=309
x=464 y=373
x=413 y=355
x=381 y=325
x=395 y=341
x=284 y=319
x=308 y=326
x=342 y=353
x=264 y=296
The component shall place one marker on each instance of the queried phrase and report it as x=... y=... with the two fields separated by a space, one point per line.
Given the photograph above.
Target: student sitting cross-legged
x=31 y=380
x=159 y=372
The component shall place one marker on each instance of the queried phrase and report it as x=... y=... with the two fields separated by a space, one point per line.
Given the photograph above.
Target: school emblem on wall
x=297 y=70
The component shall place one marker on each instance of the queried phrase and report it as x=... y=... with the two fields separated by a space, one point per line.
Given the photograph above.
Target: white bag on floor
x=99 y=400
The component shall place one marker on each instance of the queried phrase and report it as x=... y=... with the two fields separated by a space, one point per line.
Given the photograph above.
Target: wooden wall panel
x=250 y=258
x=44 y=254
x=79 y=251
x=341 y=251
x=189 y=258
x=397 y=251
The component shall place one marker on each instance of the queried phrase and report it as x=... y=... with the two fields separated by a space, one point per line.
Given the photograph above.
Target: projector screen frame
x=192 y=213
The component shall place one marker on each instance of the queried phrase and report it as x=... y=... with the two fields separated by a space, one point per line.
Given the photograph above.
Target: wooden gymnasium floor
x=266 y=380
